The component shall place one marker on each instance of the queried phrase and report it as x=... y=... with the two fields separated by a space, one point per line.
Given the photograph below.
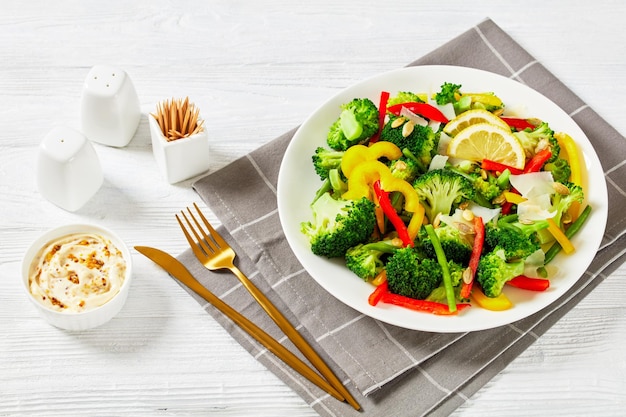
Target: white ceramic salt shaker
x=179 y=159
x=68 y=168
x=110 y=111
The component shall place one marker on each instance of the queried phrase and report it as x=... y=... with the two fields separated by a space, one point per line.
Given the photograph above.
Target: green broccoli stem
x=478 y=198
x=503 y=180
x=350 y=126
x=337 y=184
x=481 y=200
x=443 y=262
x=406 y=152
x=505 y=220
x=326 y=187
x=385 y=246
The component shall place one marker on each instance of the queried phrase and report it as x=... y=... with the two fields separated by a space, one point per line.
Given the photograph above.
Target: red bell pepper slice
x=420 y=305
x=517 y=123
x=489 y=165
x=477 y=250
x=506 y=207
x=422 y=109
x=382 y=112
x=392 y=215
x=531 y=284
x=377 y=294
x=537 y=161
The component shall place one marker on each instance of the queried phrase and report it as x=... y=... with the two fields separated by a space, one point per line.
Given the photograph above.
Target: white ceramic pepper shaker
x=110 y=111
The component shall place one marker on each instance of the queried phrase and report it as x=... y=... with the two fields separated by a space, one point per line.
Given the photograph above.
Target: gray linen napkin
x=391 y=371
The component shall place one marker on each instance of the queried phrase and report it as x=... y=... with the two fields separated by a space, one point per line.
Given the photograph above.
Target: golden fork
x=214 y=253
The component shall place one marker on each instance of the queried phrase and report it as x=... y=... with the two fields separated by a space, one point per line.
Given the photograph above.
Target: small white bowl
x=179 y=159
x=87 y=319
x=110 y=110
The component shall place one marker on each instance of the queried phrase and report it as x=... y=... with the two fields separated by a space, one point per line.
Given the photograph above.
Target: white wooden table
x=255 y=69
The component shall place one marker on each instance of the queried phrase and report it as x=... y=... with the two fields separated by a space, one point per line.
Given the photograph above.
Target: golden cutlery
x=215 y=253
x=175 y=268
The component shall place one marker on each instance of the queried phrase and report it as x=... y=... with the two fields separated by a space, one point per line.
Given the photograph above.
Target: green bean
x=571 y=231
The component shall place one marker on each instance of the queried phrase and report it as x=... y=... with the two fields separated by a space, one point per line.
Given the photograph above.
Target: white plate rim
x=297 y=183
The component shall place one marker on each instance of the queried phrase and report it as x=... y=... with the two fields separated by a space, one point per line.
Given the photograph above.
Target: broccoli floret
x=447 y=93
x=441 y=190
x=412 y=276
x=560 y=170
x=456 y=277
x=367 y=260
x=513 y=240
x=404 y=97
x=338 y=225
x=539 y=138
x=325 y=159
x=561 y=202
x=406 y=169
x=357 y=123
x=420 y=145
x=534 y=230
x=487 y=185
x=455 y=245
x=451 y=93
x=494 y=271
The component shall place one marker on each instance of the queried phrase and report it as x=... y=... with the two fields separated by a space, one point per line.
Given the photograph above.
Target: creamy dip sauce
x=78 y=272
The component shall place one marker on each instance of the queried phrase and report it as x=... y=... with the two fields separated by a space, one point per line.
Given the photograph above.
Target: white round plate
x=297 y=184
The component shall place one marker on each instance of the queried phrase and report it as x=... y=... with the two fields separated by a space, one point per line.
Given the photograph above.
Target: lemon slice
x=487 y=141
x=472 y=117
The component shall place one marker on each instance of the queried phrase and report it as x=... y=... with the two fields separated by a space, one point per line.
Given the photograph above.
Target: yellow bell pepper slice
x=513 y=197
x=361 y=153
x=567 y=143
x=415 y=224
x=560 y=237
x=366 y=173
x=498 y=303
x=484 y=98
x=362 y=177
x=576 y=165
x=380 y=278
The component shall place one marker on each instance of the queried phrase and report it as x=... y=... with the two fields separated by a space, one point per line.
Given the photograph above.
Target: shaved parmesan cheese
x=438 y=162
x=537 y=182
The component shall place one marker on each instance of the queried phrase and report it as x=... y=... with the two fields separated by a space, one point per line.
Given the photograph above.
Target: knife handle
x=293 y=335
x=264 y=339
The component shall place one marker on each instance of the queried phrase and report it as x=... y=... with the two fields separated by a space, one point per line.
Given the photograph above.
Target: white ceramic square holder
x=110 y=111
x=68 y=168
x=179 y=159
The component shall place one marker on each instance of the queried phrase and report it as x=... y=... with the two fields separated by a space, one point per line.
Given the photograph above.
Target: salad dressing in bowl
x=77 y=272
x=77 y=276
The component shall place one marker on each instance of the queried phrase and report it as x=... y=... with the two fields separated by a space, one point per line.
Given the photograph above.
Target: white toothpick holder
x=68 y=168
x=179 y=159
x=110 y=110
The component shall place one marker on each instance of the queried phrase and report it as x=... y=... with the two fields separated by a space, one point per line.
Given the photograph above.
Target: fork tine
x=192 y=243
x=218 y=239
x=202 y=240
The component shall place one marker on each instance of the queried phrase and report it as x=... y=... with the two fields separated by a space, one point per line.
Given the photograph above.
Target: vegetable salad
x=442 y=199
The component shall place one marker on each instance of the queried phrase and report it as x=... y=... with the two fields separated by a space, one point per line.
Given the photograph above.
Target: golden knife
x=175 y=268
